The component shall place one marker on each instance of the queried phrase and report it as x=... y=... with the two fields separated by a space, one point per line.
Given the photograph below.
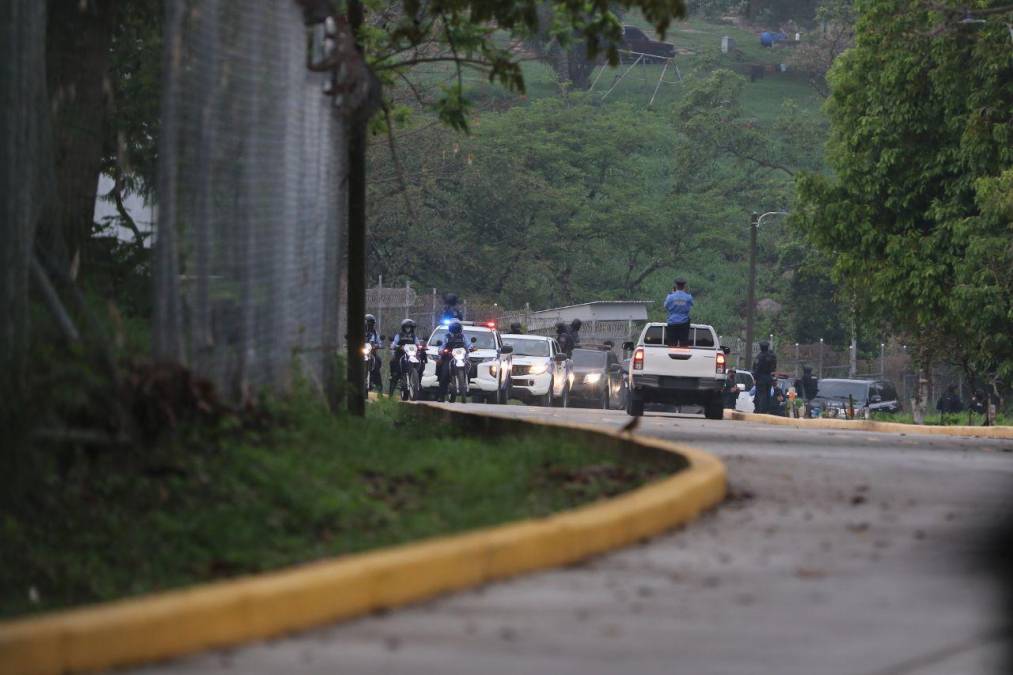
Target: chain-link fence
x=251 y=199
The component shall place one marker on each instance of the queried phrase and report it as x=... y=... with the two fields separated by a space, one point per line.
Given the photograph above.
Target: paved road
x=838 y=553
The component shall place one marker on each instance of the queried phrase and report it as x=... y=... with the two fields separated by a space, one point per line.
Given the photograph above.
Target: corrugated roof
x=596 y=302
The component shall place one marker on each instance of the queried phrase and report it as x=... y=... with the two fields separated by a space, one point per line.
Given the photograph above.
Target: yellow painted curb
x=869 y=425
x=171 y=624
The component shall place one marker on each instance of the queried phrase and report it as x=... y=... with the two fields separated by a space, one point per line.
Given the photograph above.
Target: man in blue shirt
x=678 y=305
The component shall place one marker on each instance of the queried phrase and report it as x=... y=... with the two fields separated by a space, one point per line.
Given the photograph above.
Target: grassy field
x=299 y=485
x=699 y=45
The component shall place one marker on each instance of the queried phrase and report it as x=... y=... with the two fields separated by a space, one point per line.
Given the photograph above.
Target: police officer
x=564 y=338
x=575 y=331
x=730 y=390
x=405 y=336
x=763 y=371
x=515 y=328
x=678 y=304
x=450 y=310
x=375 y=363
x=455 y=339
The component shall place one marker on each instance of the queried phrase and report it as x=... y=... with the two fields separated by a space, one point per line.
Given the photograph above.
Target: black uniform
x=763 y=372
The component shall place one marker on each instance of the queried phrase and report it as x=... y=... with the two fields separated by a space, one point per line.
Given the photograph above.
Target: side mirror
x=506 y=349
x=560 y=358
x=615 y=368
x=438 y=343
x=628 y=346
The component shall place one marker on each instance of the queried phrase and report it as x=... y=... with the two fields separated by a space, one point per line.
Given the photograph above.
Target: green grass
x=933 y=418
x=299 y=485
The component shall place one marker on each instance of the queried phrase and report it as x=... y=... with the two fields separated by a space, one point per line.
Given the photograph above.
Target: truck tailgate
x=680 y=362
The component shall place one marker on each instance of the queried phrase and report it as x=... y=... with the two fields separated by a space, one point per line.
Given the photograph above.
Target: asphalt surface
x=837 y=553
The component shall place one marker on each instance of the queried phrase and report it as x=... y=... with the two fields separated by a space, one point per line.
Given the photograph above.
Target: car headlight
x=538 y=368
x=592 y=378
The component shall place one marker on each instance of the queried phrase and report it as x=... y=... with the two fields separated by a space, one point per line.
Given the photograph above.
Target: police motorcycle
x=371 y=356
x=455 y=359
x=409 y=359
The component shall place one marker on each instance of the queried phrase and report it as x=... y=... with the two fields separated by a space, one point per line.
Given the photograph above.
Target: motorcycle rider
x=564 y=338
x=373 y=338
x=455 y=339
x=405 y=336
x=450 y=310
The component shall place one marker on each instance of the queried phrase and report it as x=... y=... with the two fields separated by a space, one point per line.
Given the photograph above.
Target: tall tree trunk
x=923 y=390
x=24 y=174
x=78 y=41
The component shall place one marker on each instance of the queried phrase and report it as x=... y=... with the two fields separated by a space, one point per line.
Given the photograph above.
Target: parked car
x=636 y=40
x=490 y=362
x=540 y=371
x=833 y=396
x=597 y=377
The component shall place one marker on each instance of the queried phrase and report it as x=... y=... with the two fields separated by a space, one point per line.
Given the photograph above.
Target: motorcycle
x=460 y=366
x=409 y=364
x=370 y=357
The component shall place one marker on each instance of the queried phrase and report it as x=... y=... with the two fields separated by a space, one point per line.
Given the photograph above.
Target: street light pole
x=754 y=225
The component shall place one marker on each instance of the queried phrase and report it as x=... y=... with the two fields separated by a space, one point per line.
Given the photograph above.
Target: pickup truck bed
x=688 y=375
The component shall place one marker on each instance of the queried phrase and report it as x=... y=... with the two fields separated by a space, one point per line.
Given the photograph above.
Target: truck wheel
x=715 y=408
x=634 y=405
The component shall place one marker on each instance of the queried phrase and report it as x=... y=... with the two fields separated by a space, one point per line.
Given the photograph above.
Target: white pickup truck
x=688 y=375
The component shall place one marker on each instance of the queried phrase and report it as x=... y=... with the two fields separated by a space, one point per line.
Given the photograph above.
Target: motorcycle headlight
x=367 y=349
x=538 y=368
x=592 y=378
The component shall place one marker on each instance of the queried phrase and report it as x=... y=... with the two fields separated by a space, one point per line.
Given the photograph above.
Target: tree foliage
x=917 y=215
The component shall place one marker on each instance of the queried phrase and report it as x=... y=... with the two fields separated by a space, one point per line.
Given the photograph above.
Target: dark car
x=833 y=396
x=597 y=377
x=636 y=40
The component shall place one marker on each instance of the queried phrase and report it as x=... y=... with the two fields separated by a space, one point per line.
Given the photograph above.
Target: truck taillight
x=638 y=359
x=719 y=363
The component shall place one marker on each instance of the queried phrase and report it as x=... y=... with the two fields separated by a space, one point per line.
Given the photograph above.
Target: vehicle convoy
x=597 y=377
x=541 y=373
x=690 y=375
x=834 y=397
x=489 y=362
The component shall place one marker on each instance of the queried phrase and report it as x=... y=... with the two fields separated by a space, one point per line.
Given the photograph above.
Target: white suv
x=490 y=362
x=541 y=373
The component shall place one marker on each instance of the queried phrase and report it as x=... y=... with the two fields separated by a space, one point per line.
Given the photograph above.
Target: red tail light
x=638 y=359
x=720 y=363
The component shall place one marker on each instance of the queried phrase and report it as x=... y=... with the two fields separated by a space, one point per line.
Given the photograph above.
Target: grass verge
x=298 y=486
x=949 y=419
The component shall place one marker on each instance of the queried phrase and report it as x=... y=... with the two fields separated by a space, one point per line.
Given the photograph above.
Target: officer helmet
x=455 y=328
x=370 y=318
x=407 y=326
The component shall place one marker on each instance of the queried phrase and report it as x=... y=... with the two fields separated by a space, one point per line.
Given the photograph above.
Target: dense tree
x=916 y=215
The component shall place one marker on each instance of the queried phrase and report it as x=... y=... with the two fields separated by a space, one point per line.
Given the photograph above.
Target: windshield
x=842 y=388
x=588 y=359
x=528 y=347
x=484 y=339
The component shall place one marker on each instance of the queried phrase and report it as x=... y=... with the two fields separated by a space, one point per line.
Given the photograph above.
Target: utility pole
x=754 y=225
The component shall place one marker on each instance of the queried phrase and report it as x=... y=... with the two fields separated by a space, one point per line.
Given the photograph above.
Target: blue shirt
x=678 y=304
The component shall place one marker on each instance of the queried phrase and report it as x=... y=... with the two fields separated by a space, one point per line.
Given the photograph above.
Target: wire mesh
x=252 y=198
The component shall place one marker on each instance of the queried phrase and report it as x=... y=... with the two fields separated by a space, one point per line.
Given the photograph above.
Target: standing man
x=808 y=384
x=575 y=331
x=763 y=371
x=678 y=305
x=515 y=328
x=564 y=339
x=450 y=310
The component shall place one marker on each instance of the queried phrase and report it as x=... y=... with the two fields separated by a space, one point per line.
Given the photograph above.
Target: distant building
x=613 y=320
